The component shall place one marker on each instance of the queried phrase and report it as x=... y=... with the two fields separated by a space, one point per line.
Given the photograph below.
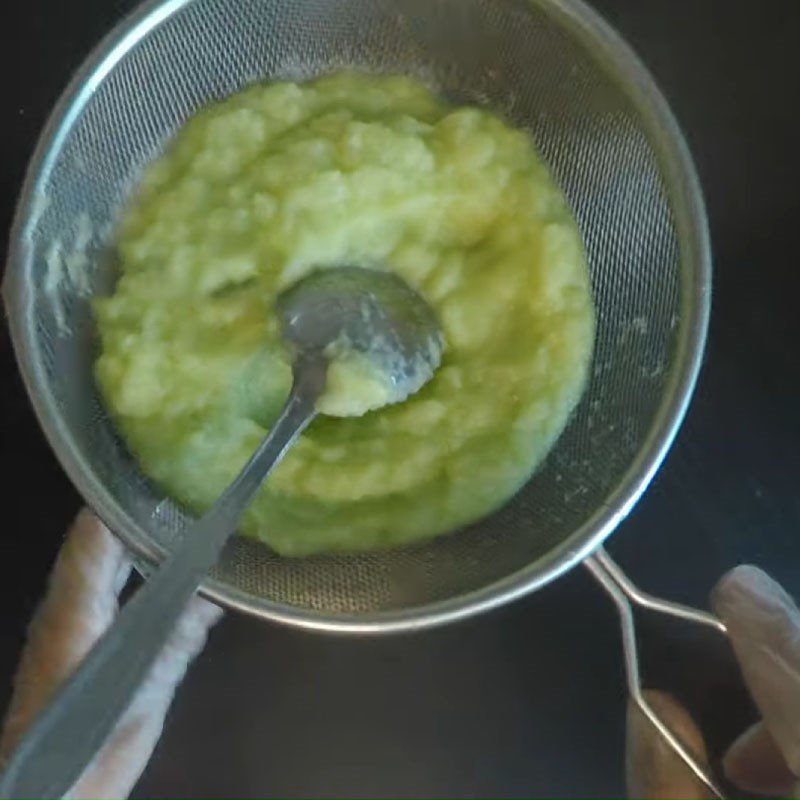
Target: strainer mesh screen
x=511 y=56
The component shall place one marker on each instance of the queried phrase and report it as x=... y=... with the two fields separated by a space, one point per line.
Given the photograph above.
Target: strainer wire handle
x=624 y=592
x=65 y=737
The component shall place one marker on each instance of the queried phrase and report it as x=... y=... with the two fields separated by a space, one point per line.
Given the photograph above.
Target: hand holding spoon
x=349 y=315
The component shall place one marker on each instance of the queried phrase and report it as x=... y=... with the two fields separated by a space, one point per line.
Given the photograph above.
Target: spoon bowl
x=363 y=316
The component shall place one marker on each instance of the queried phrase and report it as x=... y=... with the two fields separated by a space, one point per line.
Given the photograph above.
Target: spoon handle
x=72 y=728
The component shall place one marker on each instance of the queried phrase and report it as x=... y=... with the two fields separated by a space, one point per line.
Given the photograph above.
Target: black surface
x=527 y=700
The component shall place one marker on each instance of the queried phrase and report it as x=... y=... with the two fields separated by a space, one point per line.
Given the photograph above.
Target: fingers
x=754 y=763
x=653 y=770
x=80 y=602
x=764 y=628
x=120 y=762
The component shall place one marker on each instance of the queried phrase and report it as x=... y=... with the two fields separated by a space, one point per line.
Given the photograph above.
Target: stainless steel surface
x=602 y=560
x=379 y=315
x=551 y=66
x=374 y=313
x=623 y=592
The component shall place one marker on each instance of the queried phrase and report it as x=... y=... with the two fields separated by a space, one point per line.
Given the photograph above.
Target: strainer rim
x=618 y=59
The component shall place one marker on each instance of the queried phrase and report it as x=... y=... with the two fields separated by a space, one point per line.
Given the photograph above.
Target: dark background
x=528 y=699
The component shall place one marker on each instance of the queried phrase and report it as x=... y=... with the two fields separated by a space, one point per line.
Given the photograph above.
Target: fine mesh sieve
x=550 y=66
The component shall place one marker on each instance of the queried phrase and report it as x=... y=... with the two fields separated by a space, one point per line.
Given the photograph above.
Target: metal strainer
x=550 y=66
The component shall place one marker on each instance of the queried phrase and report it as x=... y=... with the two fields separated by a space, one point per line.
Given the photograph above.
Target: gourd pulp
x=281 y=179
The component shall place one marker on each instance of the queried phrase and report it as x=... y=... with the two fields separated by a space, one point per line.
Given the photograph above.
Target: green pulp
x=280 y=179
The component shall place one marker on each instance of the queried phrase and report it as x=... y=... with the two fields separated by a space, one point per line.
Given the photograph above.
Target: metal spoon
x=330 y=314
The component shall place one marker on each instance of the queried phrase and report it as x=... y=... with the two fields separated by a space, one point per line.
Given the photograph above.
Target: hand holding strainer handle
x=624 y=593
x=763 y=625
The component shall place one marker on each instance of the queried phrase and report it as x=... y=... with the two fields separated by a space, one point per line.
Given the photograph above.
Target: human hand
x=80 y=604
x=763 y=625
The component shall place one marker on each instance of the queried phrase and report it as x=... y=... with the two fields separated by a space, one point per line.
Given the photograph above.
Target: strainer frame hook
x=625 y=595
